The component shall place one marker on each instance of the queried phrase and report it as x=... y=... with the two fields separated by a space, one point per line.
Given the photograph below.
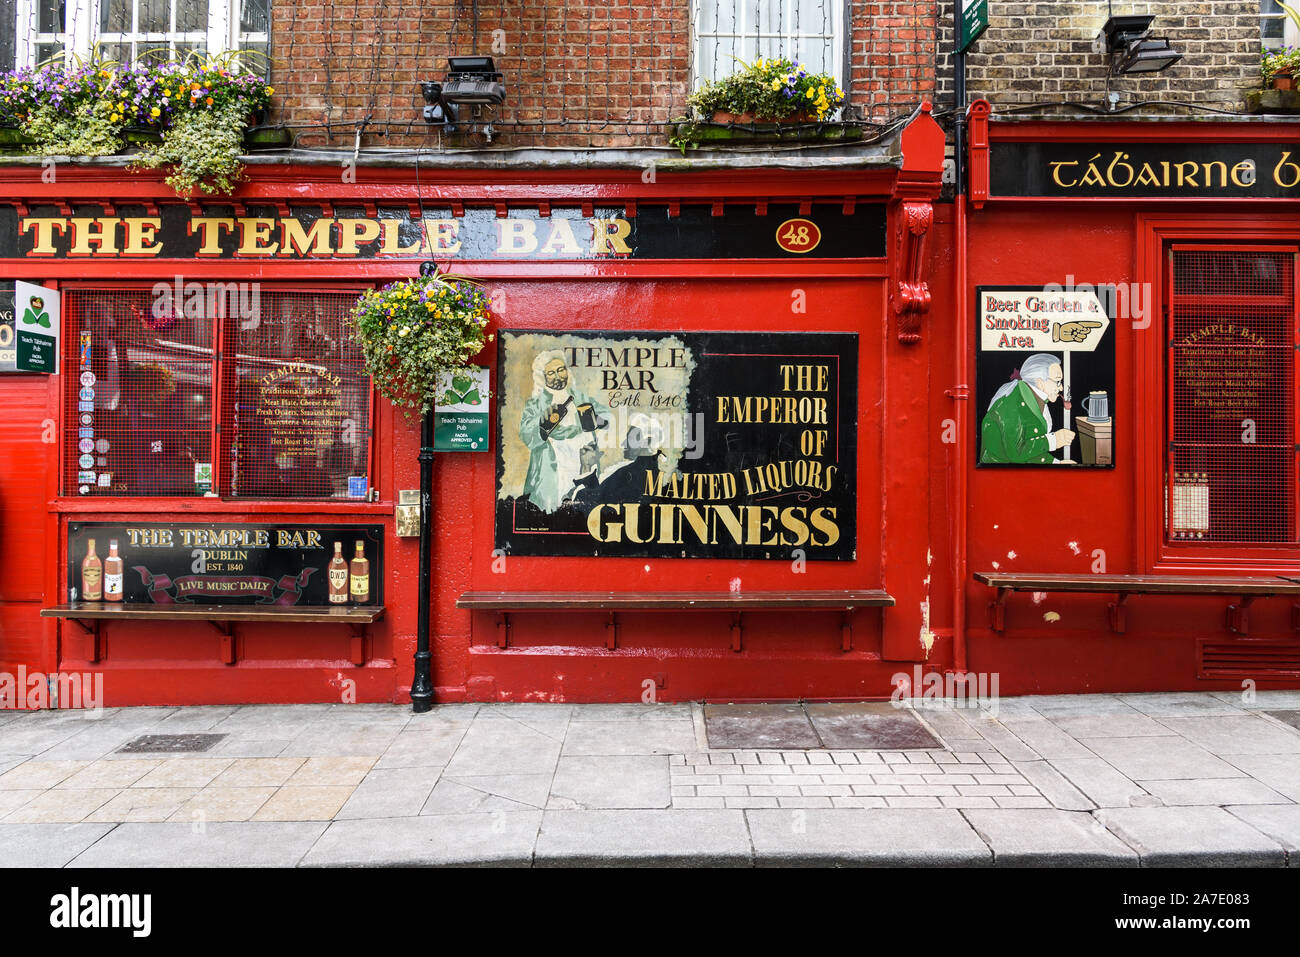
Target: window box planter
x=141 y=135
x=15 y=140
x=268 y=138
x=1273 y=101
x=694 y=134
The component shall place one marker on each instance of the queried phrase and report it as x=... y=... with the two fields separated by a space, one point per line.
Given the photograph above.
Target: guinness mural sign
x=677 y=445
x=1180 y=170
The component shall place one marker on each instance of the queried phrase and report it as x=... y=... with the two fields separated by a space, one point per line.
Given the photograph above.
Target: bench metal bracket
x=611 y=632
x=358 y=644
x=846 y=630
x=90 y=627
x=1239 y=615
x=737 y=632
x=503 y=630
x=228 y=650
x=998 y=610
x=1118 y=620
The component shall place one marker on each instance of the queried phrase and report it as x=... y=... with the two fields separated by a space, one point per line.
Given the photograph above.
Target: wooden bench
x=89 y=615
x=503 y=603
x=1245 y=588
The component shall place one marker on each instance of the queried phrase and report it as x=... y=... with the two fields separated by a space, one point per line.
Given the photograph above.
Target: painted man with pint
x=1017 y=429
x=559 y=426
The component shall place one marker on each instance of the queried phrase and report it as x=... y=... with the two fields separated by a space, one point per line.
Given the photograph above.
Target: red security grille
x=300 y=403
x=139 y=395
x=280 y=408
x=1232 y=396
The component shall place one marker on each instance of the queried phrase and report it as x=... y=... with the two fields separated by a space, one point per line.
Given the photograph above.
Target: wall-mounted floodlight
x=1128 y=42
x=471 y=82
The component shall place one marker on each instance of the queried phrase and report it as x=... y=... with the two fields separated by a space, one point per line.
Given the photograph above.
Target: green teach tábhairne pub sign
x=29 y=328
x=460 y=412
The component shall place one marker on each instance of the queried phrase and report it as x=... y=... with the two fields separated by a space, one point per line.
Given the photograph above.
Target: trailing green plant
x=776 y=89
x=414 y=330
x=198 y=106
x=201 y=149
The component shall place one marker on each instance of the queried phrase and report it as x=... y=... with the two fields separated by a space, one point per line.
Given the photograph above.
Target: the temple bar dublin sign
x=225 y=563
x=685 y=231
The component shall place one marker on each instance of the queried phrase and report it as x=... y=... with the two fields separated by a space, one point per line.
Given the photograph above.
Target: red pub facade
x=829 y=430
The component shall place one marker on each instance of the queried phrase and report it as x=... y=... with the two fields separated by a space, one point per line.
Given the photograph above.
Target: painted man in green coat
x=1017 y=429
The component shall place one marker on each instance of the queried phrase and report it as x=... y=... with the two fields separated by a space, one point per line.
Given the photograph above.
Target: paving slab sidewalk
x=1076 y=781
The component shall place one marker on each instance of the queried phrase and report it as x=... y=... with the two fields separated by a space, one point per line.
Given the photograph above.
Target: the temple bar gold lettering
x=276 y=237
x=276 y=232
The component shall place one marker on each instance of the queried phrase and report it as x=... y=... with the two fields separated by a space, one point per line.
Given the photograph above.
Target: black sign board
x=677 y=444
x=206 y=563
x=265 y=233
x=1185 y=170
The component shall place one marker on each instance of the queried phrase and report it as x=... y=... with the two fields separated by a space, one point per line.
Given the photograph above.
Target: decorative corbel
x=912 y=217
x=911 y=290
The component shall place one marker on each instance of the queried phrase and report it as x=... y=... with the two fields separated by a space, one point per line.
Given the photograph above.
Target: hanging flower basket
x=413 y=331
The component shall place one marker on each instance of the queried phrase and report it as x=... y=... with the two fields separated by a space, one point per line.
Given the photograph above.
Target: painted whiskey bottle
x=92 y=575
x=360 y=575
x=338 y=576
x=113 y=573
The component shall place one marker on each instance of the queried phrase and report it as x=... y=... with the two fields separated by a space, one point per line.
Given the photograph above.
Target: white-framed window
x=128 y=30
x=724 y=31
x=1276 y=29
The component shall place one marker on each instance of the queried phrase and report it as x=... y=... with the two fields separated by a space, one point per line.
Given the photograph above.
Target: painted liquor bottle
x=360 y=575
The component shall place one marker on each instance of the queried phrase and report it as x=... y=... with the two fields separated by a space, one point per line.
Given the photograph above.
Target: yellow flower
x=155 y=112
x=811 y=95
x=776 y=84
x=270 y=90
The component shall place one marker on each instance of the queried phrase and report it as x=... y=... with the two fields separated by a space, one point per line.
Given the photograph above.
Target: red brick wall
x=612 y=73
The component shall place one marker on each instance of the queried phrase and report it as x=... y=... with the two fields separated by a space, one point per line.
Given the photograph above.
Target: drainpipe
x=960 y=392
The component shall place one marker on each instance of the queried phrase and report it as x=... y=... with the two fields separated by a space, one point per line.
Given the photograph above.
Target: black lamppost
x=422 y=685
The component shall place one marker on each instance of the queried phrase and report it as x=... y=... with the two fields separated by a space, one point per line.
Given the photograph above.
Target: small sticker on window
x=358 y=486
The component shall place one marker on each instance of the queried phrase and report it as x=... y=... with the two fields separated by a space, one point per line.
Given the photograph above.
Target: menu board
x=303 y=409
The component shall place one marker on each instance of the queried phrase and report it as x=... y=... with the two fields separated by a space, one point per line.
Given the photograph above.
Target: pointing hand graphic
x=1073 y=331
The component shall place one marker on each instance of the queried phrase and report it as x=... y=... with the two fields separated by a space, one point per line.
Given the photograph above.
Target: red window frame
x=1273 y=303
x=1157 y=236
x=224 y=373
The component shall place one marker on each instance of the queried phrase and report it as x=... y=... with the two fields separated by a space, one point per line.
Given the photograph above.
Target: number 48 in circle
x=798 y=235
